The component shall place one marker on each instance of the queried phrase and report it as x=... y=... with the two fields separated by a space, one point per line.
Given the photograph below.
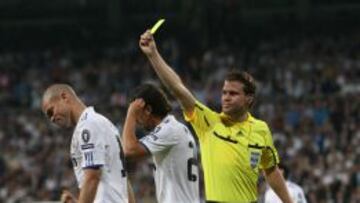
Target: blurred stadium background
x=305 y=55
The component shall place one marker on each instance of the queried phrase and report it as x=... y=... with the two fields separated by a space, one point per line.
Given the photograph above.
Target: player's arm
x=68 y=197
x=91 y=181
x=277 y=183
x=130 y=193
x=269 y=164
x=132 y=147
x=166 y=74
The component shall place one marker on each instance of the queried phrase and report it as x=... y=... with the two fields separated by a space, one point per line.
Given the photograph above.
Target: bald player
x=96 y=151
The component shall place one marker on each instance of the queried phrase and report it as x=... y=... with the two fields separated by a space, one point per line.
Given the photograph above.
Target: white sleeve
x=160 y=139
x=266 y=196
x=271 y=197
x=92 y=147
x=300 y=196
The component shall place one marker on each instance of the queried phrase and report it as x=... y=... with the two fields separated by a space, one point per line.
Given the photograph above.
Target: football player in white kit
x=170 y=143
x=95 y=147
x=295 y=191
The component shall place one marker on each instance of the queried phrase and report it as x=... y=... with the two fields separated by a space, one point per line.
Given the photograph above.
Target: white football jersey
x=176 y=170
x=296 y=194
x=95 y=144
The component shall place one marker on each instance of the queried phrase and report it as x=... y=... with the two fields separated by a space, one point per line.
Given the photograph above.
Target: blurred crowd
x=308 y=92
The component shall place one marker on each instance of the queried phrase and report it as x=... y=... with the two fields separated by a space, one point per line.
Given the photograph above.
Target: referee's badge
x=254 y=159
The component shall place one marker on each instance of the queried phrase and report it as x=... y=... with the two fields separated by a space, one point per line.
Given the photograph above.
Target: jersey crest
x=254 y=159
x=85 y=135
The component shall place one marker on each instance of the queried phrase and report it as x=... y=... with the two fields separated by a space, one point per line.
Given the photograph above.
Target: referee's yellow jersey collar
x=228 y=122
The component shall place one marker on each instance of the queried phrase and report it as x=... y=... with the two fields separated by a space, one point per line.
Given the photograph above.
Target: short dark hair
x=243 y=77
x=154 y=97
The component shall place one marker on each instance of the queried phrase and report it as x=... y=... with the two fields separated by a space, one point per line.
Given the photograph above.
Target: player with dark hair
x=168 y=141
x=235 y=146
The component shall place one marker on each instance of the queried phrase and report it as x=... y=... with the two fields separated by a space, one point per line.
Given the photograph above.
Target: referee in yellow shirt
x=235 y=147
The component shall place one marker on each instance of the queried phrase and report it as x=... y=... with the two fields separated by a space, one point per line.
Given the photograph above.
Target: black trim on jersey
x=273 y=153
x=206 y=121
x=152 y=166
x=199 y=107
x=227 y=139
x=256 y=146
x=87 y=146
x=146 y=148
x=97 y=166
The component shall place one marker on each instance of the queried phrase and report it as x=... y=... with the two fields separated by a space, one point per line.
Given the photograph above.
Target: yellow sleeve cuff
x=189 y=116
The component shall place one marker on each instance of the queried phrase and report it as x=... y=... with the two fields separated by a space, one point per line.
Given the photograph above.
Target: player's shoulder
x=91 y=116
x=89 y=121
x=170 y=126
x=169 y=122
x=174 y=125
x=92 y=120
x=163 y=127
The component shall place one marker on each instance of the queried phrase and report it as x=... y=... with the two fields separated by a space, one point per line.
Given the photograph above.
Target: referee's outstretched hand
x=147 y=43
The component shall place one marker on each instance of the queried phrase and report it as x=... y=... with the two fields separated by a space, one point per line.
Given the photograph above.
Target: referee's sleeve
x=270 y=155
x=201 y=119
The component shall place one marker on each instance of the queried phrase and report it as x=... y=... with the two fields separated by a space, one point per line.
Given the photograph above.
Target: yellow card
x=157 y=25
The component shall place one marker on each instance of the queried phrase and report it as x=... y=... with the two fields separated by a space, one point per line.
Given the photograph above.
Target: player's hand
x=67 y=197
x=147 y=43
x=136 y=107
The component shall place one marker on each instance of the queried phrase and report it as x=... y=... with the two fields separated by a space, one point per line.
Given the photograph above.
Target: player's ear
x=250 y=100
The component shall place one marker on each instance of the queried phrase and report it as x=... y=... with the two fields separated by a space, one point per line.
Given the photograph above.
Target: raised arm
x=166 y=74
x=132 y=147
x=130 y=193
